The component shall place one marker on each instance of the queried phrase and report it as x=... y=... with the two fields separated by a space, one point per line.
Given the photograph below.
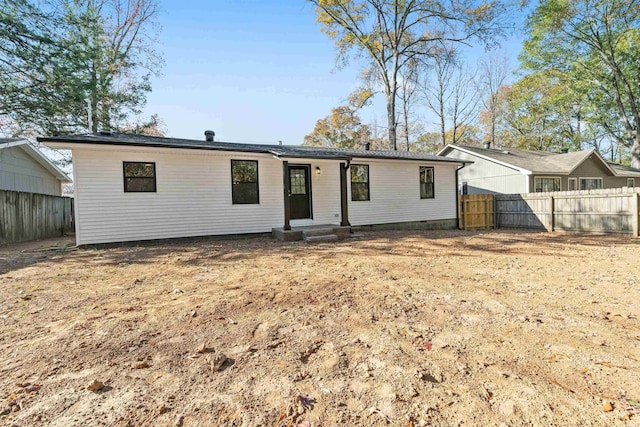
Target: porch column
x=287 y=194
x=344 y=207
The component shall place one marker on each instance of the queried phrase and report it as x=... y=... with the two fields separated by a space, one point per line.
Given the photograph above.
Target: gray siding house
x=511 y=171
x=24 y=168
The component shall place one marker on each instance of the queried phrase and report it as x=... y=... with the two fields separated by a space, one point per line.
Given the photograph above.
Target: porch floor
x=322 y=232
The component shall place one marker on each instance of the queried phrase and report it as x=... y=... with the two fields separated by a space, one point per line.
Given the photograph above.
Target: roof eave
x=490 y=159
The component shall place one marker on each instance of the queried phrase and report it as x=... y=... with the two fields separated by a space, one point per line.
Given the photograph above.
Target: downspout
x=344 y=200
x=458 y=195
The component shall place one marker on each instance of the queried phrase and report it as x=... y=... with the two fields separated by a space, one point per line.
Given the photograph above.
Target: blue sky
x=251 y=70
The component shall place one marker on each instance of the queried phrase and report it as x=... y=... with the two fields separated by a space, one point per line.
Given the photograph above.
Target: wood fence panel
x=476 y=211
x=603 y=211
x=30 y=216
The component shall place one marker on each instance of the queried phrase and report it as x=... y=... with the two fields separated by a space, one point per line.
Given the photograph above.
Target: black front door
x=300 y=187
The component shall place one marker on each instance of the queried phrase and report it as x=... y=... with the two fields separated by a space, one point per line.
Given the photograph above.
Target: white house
x=134 y=187
x=24 y=168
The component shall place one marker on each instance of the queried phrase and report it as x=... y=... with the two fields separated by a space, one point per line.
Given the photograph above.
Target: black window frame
x=433 y=182
x=234 y=184
x=126 y=179
x=368 y=183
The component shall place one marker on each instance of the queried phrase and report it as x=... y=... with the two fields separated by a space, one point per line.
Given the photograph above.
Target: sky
x=251 y=70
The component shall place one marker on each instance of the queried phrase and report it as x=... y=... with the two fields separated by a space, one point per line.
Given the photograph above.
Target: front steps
x=313 y=234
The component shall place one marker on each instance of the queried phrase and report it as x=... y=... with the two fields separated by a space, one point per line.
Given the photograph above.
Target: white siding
x=394 y=189
x=19 y=172
x=484 y=176
x=193 y=195
x=325 y=192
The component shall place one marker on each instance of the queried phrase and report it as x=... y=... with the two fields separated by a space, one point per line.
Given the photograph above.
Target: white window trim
x=575 y=187
x=545 y=177
x=633 y=182
x=591 y=177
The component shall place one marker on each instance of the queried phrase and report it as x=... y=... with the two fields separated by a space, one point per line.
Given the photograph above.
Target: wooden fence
x=614 y=210
x=29 y=216
x=476 y=211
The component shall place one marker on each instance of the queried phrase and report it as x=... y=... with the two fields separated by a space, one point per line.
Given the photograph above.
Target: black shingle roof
x=277 y=150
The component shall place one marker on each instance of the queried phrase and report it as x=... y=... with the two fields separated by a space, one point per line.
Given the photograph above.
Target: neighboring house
x=511 y=171
x=24 y=168
x=134 y=187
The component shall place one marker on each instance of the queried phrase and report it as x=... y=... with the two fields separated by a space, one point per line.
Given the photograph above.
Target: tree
x=492 y=76
x=392 y=33
x=153 y=126
x=538 y=113
x=407 y=94
x=595 y=47
x=95 y=55
x=27 y=50
x=341 y=129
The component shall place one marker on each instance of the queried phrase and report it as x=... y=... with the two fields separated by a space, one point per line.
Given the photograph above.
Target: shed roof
x=283 y=151
x=36 y=155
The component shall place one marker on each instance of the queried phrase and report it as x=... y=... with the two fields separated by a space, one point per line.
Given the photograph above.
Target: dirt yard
x=392 y=328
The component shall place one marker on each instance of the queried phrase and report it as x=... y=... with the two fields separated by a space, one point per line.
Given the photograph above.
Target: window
x=590 y=183
x=359 y=183
x=631 y=182
x=426 y=183
x=573 y=184
x=543 y=184
x=244 y=182
x=139 y=177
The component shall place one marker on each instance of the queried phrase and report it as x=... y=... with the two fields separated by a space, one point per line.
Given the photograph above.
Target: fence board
x=476 y=211
x=602 y=211
x=29 y=216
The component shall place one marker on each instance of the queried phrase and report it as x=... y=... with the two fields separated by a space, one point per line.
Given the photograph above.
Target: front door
x=300 y=187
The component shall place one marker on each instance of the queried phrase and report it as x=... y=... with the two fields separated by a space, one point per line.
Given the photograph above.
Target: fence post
x=635 y=206
x=552 y=210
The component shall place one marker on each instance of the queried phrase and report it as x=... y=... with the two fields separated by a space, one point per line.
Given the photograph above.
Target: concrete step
x=318 y=232
x=321 y=239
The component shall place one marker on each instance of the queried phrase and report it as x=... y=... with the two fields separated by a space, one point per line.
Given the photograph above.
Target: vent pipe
x=367 y=146
x=487 y=144
x=209 y=135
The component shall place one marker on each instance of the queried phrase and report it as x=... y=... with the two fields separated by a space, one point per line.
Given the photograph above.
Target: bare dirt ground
x=393 y=328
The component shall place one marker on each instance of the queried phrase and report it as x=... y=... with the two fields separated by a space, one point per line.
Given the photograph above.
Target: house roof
x=282 y=151
x=622 y=170
x=36 y=155
x=539 y=162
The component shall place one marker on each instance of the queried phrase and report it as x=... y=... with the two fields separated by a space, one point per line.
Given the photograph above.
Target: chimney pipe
x=279 y=142
x=487 y=144
x=367 y=146
x=209 y=135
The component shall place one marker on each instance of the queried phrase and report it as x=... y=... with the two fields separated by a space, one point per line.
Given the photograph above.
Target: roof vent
x=367 y=146
x=506 y=152
x=564 y=150
x=105 y=133
x=209 y=135
x=279 y=142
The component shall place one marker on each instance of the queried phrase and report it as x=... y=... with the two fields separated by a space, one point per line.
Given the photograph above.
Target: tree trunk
x=391 y=118
x=443 y=131
x=635 y=152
